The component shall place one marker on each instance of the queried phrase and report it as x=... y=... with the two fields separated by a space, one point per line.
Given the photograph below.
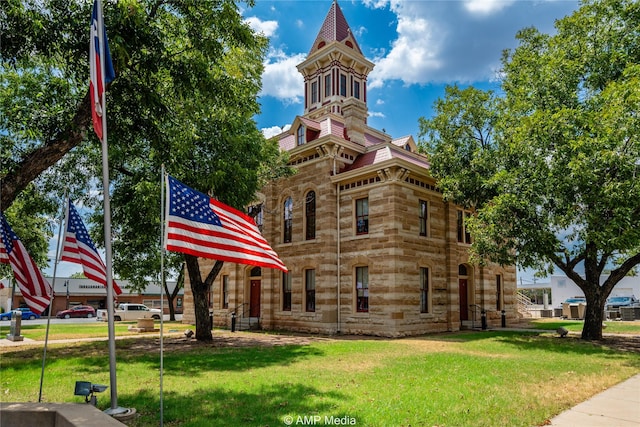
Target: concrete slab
x=618 y=406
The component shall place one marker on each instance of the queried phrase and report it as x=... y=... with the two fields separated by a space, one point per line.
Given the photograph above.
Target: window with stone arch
x=310 y=215
x=287 y=220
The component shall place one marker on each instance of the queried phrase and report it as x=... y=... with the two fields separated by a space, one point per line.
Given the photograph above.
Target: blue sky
x=418 y=47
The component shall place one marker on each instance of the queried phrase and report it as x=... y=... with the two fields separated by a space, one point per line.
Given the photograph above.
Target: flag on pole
x=98 y=81
x=202 y=226
x=35 y=289
x=79 y=248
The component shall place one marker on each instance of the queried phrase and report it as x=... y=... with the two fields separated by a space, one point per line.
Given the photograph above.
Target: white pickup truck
x=129 y=311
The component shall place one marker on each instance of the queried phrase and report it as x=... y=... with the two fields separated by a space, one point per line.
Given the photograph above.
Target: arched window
x=288 y=220
x=300 y=135
x=310 y=215
x=462 y=270
x=256 y=213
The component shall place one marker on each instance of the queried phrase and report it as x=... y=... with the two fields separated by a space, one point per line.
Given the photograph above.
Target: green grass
x=58 y=331
x=612 y=327
x=464 y=379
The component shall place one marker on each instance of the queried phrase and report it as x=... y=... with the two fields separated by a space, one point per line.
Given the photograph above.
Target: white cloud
x=281 y=78
x=413 y=53
x=274 y=130
x=486 y=7
x=454 y=41
x=375 y=4
x=379 y=101
x=268 y=28
x=377 y=114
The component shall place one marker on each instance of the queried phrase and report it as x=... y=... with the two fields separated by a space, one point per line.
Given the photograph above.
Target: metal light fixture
x=86 y=389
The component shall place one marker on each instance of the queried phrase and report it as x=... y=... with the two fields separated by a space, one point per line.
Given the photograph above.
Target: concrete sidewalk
x=618 y=406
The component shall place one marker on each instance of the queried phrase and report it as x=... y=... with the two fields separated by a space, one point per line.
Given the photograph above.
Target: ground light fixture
x=87 y=389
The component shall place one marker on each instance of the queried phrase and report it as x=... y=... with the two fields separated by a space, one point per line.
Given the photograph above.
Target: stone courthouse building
x=370 y=245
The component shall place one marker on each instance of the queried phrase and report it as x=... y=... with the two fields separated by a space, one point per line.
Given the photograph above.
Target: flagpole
x=53 y=296
x=115 y=409
x=162 y=282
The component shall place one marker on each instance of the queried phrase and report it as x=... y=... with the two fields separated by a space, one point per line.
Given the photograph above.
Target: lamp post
x=66 y=285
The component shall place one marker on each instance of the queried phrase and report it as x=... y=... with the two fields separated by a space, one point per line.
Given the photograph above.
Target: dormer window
x=407 y=147
x=300 y=135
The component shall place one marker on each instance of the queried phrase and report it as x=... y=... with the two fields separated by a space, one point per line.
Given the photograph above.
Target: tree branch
x=42 y=158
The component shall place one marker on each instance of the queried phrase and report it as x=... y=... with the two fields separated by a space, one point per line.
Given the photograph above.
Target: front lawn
x=485 y=378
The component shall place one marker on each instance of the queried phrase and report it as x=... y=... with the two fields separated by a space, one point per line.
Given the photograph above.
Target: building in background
x=564 y=288
x=69 y=292
x=370 y=244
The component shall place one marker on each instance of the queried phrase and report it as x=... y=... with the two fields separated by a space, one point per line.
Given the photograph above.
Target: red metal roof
x=386 y=152
x=334 y=28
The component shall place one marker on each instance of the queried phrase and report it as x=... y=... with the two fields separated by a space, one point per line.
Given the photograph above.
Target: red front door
x=254 y=303
x=464 y=309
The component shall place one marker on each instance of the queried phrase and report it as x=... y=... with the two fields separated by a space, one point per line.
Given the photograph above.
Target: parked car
x=26 y=314
x=77 y=311
x=617 y=302
x=130 y=311
x=576 y=300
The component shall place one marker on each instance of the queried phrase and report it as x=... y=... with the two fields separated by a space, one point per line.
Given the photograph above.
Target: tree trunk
x=594 y=316
x=200 y=305
x=200 y=289
x=171 y=296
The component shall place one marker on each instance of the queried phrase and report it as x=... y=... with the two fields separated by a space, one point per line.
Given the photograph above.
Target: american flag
x=78 y=248
x=97 y=81
x=201 y=226
x=35 y=289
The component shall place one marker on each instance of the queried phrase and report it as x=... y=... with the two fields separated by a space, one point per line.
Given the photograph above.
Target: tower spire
x=334 y=29
x=335 y=75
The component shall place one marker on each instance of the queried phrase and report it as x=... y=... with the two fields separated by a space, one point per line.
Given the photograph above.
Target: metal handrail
x=241 y=315
x=474 y=308
x=235 y=310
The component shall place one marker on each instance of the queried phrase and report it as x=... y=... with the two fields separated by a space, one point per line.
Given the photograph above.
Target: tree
x=563 y=189
x=33 y=230
x=187 y=77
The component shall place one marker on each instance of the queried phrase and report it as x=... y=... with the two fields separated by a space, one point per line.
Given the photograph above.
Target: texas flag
x=98 y=81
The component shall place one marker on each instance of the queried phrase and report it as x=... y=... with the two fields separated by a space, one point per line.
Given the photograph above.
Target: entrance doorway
x=254 y=300
x=464 y=302
x=463 y=291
